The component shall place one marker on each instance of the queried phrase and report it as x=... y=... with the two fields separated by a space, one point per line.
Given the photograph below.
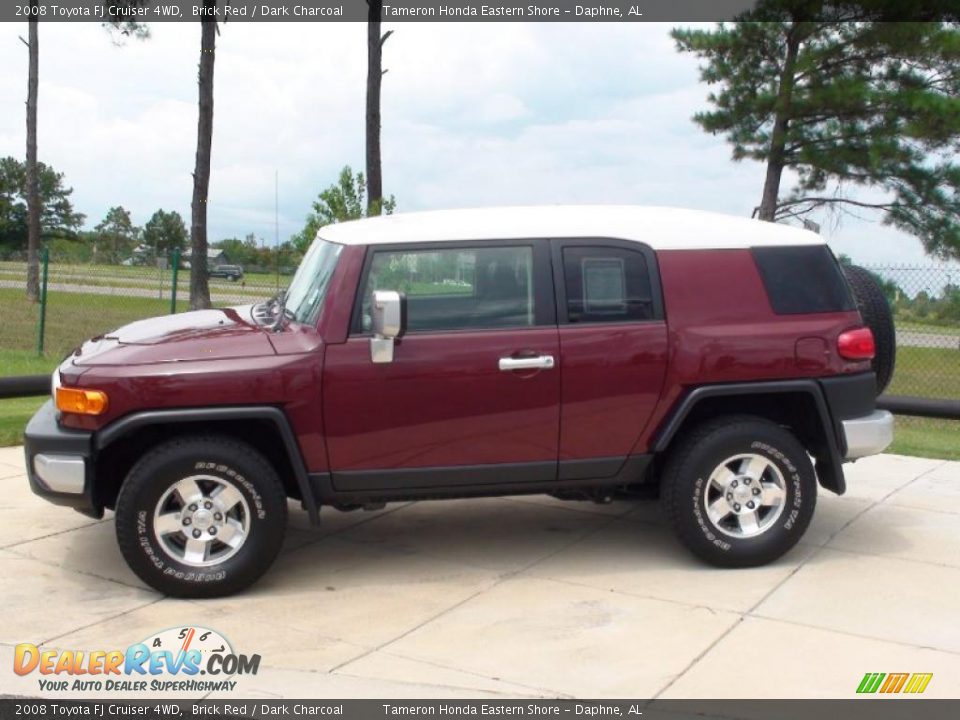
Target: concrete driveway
x=528 y=597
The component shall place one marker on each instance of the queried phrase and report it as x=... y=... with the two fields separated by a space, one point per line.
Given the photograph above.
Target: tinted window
x=805 y=279
x=605 y=284
x=457 y=288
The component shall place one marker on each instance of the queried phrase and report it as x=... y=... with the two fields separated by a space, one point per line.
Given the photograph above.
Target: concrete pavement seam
x=103 y=620
x=498 y=581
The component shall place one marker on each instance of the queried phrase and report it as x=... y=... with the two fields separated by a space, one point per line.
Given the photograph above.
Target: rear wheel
x=739 y=491
x=877 y=315
x=201 y=517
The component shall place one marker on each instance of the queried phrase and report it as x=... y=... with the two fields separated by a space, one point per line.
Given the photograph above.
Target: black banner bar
x=867 y=708
x=150 y=11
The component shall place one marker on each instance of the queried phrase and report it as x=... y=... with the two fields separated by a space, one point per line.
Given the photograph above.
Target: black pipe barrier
x=19 y=386
x=920 y=406
x=36 y=385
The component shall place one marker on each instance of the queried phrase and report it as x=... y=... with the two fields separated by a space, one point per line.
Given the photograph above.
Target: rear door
x=613 y=351
x=472 y=396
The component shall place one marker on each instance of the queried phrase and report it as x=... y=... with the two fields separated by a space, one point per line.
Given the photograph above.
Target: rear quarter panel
x=722 y=329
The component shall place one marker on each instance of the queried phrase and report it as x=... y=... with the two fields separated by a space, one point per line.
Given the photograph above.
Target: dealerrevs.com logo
x=183 y=660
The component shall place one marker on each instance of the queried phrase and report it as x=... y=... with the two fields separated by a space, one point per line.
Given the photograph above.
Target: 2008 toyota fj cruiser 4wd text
x=564 y=350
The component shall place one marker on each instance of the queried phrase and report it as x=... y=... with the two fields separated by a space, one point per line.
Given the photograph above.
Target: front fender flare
x=129 y=423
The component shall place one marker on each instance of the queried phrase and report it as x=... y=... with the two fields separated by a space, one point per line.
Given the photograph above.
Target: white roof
x=661 y=228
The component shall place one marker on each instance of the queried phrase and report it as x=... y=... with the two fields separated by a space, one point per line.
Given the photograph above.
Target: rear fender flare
x=829 y=462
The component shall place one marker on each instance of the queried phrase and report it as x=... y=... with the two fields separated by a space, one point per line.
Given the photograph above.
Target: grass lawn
x=927 y=437
x=927 y=372
x=14 y=415
x=71 y=318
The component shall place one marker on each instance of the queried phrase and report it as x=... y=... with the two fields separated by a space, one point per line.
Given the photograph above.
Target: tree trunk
x=374 y=78
x=776 y=159
x=199 y=286
x=33 y=175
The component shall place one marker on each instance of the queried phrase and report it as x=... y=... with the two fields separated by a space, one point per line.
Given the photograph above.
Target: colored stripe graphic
x=870 y=682
x=894 y=682
x=913 y=683
x=918 y=682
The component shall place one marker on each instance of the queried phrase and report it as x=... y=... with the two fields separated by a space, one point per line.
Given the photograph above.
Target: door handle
x=540 y=362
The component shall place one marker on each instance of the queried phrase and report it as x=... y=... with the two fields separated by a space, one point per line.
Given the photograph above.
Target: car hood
x=198 y=335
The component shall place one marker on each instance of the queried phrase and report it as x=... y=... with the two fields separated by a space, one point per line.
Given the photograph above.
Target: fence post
x=42 y=321
x=173 y=288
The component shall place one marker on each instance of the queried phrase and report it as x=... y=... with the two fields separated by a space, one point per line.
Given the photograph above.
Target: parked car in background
x=230 y=272
x=575 y=351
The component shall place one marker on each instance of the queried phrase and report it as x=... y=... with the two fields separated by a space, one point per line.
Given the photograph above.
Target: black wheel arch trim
x=829 y=459
x=127 y=424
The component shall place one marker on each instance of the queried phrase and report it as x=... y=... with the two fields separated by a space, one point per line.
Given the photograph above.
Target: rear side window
x=803 y=279
x=606 y=284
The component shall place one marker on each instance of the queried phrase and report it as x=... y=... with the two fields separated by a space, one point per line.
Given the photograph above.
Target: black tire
x=877 y=315
x=686 y=478
x=218 y=463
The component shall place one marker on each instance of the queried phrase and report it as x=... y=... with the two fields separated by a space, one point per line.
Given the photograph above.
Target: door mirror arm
x=389 y=320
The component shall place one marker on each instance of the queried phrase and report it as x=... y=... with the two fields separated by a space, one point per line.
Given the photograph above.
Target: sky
x=474 y=114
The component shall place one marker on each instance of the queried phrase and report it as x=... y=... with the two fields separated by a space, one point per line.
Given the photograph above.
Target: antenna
x=276 y=221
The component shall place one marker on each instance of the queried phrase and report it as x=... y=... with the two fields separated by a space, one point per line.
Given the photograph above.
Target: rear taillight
x=857 y=344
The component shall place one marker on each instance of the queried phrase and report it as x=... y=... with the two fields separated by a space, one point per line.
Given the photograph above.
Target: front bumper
x=867 y=435
x=59 y=462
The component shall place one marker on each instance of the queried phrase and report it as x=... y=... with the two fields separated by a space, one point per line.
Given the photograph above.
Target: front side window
x=606 y=284
x=456 y=288
x=309 y=285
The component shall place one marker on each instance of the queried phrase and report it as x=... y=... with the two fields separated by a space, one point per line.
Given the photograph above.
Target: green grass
x=26 y=362
x=927 y=372
x=14 y=415
x=927 y=437
x=71 y=318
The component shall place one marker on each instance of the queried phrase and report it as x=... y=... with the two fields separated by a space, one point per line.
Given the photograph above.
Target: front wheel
x=739 y=491
x=201 y=517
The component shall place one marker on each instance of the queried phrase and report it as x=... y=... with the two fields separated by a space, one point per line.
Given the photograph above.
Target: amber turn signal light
x=81 y=402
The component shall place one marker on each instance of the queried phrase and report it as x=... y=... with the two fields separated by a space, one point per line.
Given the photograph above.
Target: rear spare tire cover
x=877 y=315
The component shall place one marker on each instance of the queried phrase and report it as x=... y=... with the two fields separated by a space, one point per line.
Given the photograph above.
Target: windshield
x=310 y=282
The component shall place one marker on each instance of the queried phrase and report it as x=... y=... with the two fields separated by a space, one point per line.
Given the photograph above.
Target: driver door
x=472 y=395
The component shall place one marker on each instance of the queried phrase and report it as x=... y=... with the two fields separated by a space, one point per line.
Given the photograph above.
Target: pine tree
x=847 y=100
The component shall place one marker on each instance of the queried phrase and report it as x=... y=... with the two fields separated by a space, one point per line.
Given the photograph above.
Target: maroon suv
x=575 y=351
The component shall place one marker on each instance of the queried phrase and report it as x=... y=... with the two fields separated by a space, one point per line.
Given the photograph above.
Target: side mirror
x=388 y=310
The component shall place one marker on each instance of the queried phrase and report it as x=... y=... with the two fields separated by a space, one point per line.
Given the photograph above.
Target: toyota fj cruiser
x=576 y=351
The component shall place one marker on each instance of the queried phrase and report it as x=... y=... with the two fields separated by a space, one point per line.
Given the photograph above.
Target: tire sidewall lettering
x=228 y=472
x=698 y=513
x=147 y=542
x=788 y=520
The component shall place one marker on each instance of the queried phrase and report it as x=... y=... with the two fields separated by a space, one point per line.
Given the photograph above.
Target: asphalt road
x=914 y=338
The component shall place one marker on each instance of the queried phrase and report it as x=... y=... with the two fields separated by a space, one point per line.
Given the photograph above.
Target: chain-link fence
x=84 y=299
x=926 y=309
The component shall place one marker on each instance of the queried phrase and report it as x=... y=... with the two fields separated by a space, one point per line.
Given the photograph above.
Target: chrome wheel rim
x=201 y=520
x=745 y=495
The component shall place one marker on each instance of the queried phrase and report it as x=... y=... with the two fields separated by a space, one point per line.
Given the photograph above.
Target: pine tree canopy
x=848 y=103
